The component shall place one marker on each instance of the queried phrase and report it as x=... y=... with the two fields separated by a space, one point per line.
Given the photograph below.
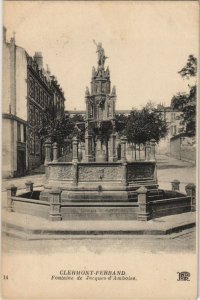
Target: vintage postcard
x=99 y=150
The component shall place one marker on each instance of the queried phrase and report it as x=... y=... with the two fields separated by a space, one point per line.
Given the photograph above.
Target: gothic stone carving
x=96 y=173
x=61 y=172
x=141 y=171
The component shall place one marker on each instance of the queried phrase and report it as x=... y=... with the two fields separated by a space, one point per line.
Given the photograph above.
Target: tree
x=186 y=102
x=190 y=69
x=146 y=124
x=56 y=126
x=121 y=122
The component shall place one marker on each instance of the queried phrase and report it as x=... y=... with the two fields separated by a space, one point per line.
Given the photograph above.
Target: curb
x=39 y=234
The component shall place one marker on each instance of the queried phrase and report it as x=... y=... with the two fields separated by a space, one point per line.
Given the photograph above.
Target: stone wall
x=21 y=83
x=86 y=210
x=188 y=153
x=101 y=173
x=6 y=93
x=101 y=212
x=181 y=150
x=173 y=206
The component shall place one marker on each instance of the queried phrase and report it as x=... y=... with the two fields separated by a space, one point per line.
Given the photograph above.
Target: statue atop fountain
x=101 y=54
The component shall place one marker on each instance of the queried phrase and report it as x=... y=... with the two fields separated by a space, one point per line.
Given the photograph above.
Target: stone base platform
x=34 y=228
x=99 y=192
x=93 y=181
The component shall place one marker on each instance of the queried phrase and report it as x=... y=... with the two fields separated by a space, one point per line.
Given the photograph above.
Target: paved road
x=184 y=175
x=181 y=244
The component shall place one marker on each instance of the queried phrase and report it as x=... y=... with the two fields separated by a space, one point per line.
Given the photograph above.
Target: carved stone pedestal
x=55 y=205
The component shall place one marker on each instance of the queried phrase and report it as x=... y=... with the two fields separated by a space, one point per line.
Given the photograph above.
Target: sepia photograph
x=99 y=149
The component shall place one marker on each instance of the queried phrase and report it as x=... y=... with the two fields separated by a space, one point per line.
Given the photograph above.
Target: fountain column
x=75 y=149
x=100 y=150
x=112 y=152
x=88 y=146
x=11 y=192
x=144 y=213
x=147 y=151
x=123 y=149
x=47 y=146
x=55 y=152
x=191 y=192
x=153 y=150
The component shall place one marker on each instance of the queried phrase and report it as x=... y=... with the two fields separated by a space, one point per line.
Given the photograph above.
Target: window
x=172 y=116
x=32 y=146
x=36 y=117
x=91 y=111
x=18 y=132
x=31 y=87
x=175 y=129
x=40 y=118
x=24 y=133
x=33 y=115
x=37 y=145
x=39 y=95
x=45 y=100
x=108 y=111
x=30 y=113
x=41 y=98
x=36 y=92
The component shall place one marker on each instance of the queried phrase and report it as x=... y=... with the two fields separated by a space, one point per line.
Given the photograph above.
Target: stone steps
x=95 y=230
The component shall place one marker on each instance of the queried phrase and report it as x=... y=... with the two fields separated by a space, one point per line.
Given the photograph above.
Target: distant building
x=75 y=112
x=172 y=117
x=28 y=89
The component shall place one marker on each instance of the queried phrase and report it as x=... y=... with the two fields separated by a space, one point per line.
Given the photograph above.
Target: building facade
x=28 y=90
x=173 y=119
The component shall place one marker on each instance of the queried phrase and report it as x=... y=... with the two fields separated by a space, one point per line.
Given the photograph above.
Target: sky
x=147 y=43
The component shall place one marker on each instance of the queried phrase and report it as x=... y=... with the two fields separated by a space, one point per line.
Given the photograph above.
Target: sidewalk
x=169 y=168
x=167 y=162
x=37 y=179
x=31 y=227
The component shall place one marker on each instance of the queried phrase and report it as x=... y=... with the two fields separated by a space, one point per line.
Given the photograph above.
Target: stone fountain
x=102 y=185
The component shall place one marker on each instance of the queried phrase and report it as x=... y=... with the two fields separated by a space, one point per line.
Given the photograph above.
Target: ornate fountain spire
x=93 y=72
x=87 y=93
x=113 y=91
x=107 y=72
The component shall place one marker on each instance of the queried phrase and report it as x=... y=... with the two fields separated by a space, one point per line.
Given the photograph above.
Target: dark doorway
x=21 y=159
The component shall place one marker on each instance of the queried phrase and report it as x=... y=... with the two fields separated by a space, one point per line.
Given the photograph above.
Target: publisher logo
x=183 y=276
